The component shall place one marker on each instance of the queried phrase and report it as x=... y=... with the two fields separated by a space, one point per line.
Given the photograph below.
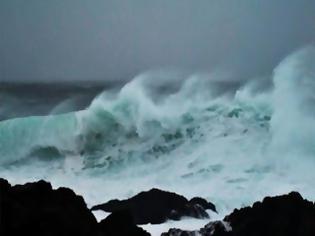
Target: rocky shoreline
x=38 y=209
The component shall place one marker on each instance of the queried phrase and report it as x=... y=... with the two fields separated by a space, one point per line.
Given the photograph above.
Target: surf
x=232 y=147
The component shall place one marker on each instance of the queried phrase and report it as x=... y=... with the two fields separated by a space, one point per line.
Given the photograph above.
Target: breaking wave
x=232 y=146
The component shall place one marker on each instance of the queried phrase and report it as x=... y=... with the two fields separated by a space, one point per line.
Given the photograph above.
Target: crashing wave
x=240 y=139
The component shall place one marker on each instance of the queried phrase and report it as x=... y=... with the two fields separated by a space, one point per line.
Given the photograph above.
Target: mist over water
x=230 y=142
x=79 y=40
x=21 y=99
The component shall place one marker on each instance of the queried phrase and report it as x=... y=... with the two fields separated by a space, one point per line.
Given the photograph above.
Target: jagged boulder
x=120 y=223
x=179 y=232
x=37 y=209
x=286 y=215
x=204 y=203
x=157 y=206
x=209 y=230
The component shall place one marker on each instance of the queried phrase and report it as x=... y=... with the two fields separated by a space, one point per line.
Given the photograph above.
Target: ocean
x=231 y=142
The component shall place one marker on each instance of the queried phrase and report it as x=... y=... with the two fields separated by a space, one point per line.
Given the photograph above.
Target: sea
x=230 y=141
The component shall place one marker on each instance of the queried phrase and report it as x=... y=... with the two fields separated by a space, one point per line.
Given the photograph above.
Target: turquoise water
x=232 y=148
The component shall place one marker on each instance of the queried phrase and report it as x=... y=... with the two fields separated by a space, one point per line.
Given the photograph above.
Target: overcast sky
x=117 y=39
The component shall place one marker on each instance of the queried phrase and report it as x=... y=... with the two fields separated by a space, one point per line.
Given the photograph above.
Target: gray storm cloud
x=117 y=39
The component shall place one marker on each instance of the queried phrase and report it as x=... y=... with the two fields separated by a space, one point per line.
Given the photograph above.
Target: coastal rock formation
x=120 y=223
x=203 y=202
x=213 y=228
x=38 y=210
x=157 y=206
x=286 y=215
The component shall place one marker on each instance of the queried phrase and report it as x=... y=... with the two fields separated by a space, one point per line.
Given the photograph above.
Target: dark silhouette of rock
x=208 y=230
x=120 y=223
x=218 y=227
x=286 y=215
x=4 y=186
x=38 y=210
x=204 y=203
x=179 y=232
x=156 y=206
x=190 y=210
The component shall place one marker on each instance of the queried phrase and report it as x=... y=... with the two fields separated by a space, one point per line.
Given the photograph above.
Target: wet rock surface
x=157 y=206
x=286 y=215
x=37 y=209
x=120 y=223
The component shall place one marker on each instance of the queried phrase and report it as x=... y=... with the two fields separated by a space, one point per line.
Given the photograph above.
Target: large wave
x=233 y=146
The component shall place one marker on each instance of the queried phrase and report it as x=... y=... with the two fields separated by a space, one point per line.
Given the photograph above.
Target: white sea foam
x=232 y=149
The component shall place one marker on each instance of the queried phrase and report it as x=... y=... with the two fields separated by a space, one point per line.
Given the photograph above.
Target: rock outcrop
x=37 y=209
x=157 y=206
x=218 y=227
x=120 y=223
x=286 y=215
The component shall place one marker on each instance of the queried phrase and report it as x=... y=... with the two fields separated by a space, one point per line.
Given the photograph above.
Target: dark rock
x=37 y=209
x=190 y=210
x=284 y=215
x=179 y=232
x=221 y=228
x=4 y=187
x=155 y=207
x=204 y=203
x=120 y=223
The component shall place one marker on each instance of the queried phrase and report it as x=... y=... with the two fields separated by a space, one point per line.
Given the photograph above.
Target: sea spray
x=232 y=147
x=293 y=120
